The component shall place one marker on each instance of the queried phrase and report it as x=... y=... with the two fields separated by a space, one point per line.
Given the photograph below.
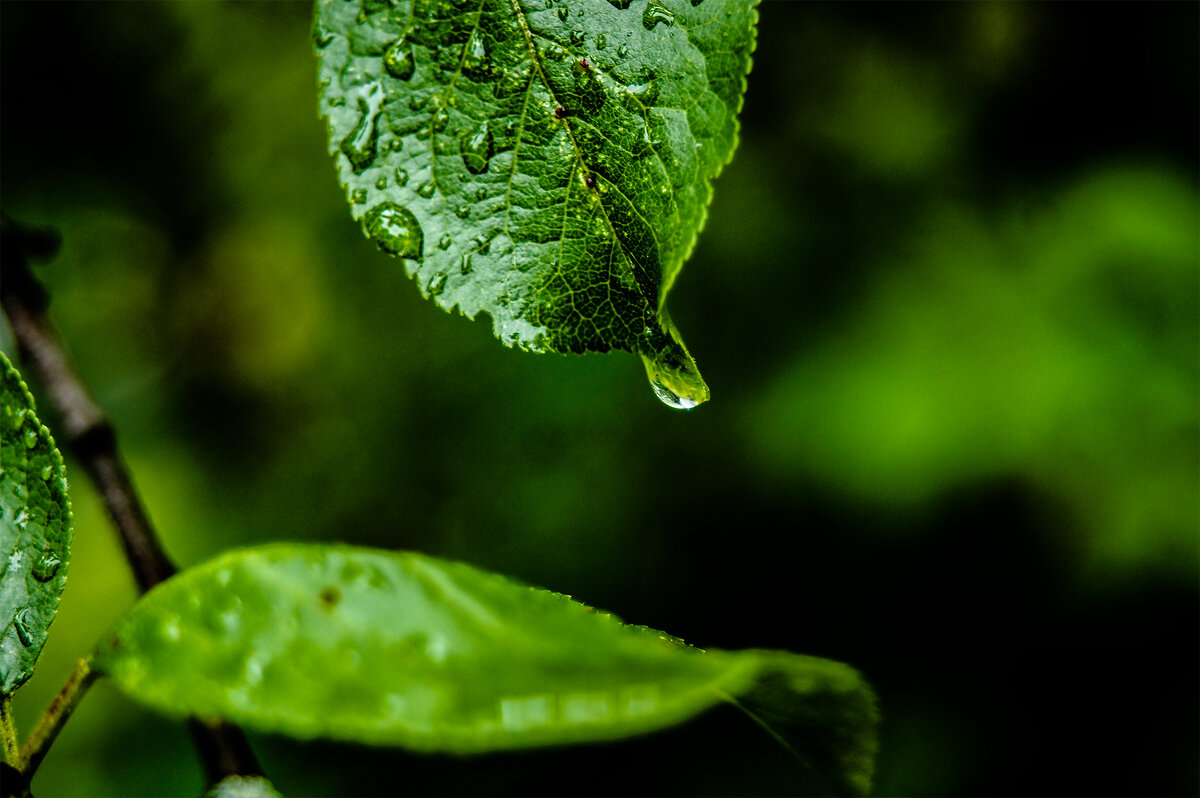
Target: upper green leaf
x=546 y=161
x=403 y=649
x=35 y=530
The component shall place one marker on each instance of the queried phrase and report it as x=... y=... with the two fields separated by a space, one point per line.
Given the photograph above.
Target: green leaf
x=35 y=530
x=402 y=649
x=546 y=161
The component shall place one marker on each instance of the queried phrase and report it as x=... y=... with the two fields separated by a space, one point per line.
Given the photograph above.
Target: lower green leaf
x=397 y=648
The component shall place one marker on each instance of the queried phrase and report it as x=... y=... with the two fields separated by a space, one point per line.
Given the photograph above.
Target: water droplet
x=398 y=59
x=563 y=13
x=46 y=566
x=358 y=196
x=337 y=102
x=622 y=4
x=30 y=438
x=437 y=284
x=440 y=120
x=465 y=267
x=23 y=623
x=696 y=3
x=655 y=13
x=577 y=37
x=18 y=420
x=322 y=36
x=477 y=149
x=671 y=370
x=622 y=51
x=396 y=144
x=46 y=472
x=426 y=189
x=381 y=183
x=395 y=230
x=445 y=241
x=601 y=42
x=462 y=211
x=417 y=101
x=640 y=96
x=476 y=62
x=481 y=194
x=401 y=177
x=359 y=144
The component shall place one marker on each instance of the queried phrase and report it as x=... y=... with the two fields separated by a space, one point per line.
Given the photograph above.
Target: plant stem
x=60 y=709
x=8 y=730
x=222 y=747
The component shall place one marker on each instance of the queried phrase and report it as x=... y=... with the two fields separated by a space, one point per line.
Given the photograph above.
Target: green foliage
x=549 y=164
x=35 y=530
x=402 y=649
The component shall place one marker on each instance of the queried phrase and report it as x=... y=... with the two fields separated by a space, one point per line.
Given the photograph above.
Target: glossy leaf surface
x=402 y=649
x=549 y=163
x=35 y=530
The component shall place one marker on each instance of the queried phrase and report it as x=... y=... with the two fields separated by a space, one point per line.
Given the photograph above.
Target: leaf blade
x=555 y=164
x=35 y=530
x=396 y=648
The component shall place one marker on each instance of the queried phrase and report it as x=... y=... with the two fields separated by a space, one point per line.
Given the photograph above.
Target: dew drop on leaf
x=359 y=144
x=322 y=36
x=563 y=13
x=440 y=120
x=395 y=230
x=477 y=149
x=47 y=471
x=601 y=42
x=30 y=438
x=398 y=59
x=437 y=284
x=46 y=566
x=476 y=61
x=401 y=177
x=22 y=624
x=337 y=102
x=655 y=13
x=622 y=51
x=445 y=241
x=481 y=194
x=577 y=37
x=621 y=3
x=426 y=189
x=462 y=211
x=465 y=267
x=381 y=183
x=358 y=196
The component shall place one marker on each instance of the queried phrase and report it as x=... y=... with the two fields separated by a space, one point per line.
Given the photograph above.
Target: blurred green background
x=947 y=303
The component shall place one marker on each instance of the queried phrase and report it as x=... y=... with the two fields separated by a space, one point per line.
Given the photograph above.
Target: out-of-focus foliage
x=947 y=296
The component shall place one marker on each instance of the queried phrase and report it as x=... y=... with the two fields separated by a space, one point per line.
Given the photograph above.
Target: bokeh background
x=947 y=303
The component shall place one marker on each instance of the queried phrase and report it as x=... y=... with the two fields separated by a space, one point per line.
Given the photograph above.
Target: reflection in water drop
x=477 y=149
x=395 y=229
x=359 y=144
x=23 y=624
x=656 y=13
x=398 y=59
x=46 y=566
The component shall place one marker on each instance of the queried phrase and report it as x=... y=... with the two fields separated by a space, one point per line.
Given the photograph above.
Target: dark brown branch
x=89 y=435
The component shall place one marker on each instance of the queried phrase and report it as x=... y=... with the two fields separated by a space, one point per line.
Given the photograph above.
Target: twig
x=8 y=730
x=222 y=747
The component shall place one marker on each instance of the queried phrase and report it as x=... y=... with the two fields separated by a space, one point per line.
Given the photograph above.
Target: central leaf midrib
x=580 y=164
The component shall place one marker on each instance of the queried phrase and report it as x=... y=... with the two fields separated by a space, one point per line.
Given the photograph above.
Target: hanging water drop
x=30 y=438
x=426 y=189
x=445 y=241
x=477 y=149
x=655 y=13
x=401 y=177
x=395 y=230
x=359 y=144
x=46 y=566
x=671 y=370
x=398 y=59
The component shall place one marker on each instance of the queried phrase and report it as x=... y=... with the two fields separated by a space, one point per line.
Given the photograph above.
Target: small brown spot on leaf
x=330 y=597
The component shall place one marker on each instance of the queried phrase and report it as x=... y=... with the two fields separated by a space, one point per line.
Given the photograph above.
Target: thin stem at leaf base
x=60 y=709
x=8 y=730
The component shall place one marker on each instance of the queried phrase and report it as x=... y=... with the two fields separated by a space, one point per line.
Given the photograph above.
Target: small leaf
x=35 y=530
x=395 y=648
x=576 y=176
